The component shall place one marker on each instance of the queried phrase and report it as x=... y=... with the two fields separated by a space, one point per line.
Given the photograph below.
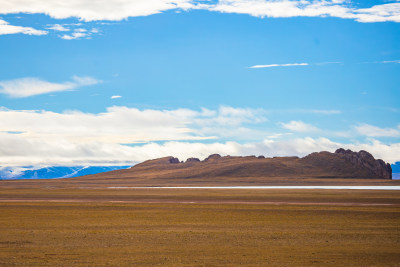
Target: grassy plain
x=99 y=227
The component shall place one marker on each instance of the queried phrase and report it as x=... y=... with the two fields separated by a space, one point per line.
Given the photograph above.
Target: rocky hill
x=343 y=164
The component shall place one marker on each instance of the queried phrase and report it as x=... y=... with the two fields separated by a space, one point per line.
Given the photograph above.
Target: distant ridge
x=343 y=164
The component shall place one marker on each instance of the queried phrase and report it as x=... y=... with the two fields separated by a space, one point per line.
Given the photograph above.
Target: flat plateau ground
x=197 y=227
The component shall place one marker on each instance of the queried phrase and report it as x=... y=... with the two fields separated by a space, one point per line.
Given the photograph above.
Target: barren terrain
x=175 y=227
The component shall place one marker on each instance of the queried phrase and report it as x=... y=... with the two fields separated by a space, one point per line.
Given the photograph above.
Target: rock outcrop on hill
x=363 y=159
x=192 y=160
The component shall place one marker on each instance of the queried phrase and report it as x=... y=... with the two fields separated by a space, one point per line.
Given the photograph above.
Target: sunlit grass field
x=104 y=233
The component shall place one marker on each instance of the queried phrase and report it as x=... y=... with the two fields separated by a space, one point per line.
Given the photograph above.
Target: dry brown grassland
x=89 y=227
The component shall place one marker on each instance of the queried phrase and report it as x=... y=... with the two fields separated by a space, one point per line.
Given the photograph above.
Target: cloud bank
x=25 y=87
x=124 y=136
x=115 y=10
x=129 y=125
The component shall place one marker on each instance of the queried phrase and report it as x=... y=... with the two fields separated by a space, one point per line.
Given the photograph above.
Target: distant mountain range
x=13 y=173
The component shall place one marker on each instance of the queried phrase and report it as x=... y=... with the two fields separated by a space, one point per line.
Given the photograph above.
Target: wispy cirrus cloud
x=319 y=64
x=293 y=65
x=391 y=61
x=25 y=87
x=278 y=65
x=394 y=61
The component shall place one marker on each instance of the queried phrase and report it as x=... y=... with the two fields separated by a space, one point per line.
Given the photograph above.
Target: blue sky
x=91 y=83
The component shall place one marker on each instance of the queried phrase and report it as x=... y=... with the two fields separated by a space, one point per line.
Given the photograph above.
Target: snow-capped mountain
x=12 y=173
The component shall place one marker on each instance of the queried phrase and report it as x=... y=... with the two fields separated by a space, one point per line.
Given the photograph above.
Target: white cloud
x=94 y=9
x=74 y=35
x=308 y=8
x=6 y=28
x=373 y=131
x=282 y=8
x=25 y=87
x=299 y=126
x=379 y=13
x=278 y=65
x=115 y=10
x=58 y=27
x=115 y=96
